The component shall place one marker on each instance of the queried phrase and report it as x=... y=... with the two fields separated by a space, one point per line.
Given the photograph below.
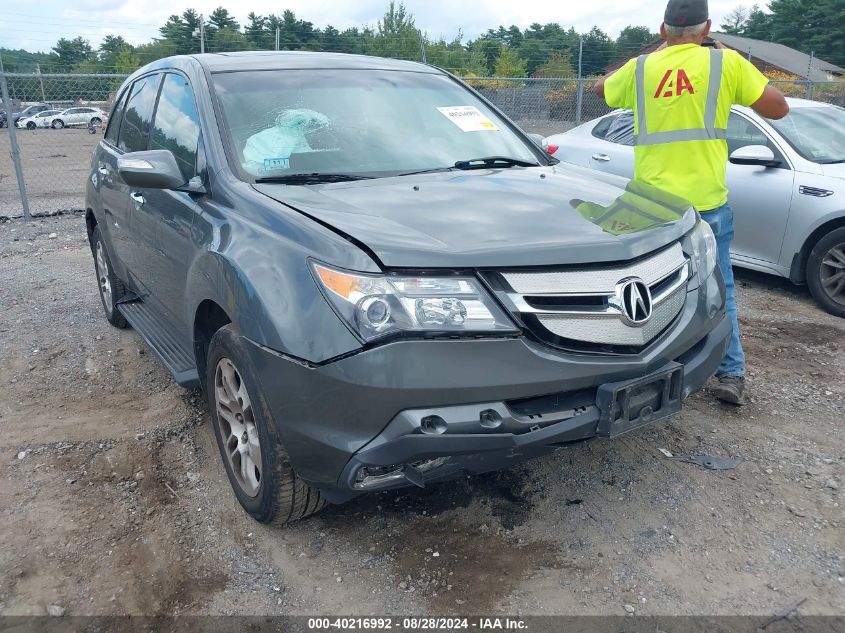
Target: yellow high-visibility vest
x=681 y=97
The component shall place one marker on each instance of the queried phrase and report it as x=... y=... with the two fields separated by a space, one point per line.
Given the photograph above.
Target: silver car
x=786 y=181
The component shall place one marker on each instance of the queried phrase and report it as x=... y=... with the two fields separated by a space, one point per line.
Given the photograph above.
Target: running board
x=159 y=335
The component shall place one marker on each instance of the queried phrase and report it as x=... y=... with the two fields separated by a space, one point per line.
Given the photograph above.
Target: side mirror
x=153 y=169
x=537 y=138
x=758 y=155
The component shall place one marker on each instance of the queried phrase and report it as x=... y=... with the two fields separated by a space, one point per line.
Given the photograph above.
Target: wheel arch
x=798 y=270
x=209 y=317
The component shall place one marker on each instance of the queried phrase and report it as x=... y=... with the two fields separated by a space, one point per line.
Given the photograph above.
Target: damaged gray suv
x=379 y=281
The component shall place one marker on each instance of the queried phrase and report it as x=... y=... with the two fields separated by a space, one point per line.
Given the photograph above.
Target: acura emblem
x=635 y=301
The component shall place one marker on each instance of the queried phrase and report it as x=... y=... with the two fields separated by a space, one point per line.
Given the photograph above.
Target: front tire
x=256 y=462
x=111 y=288
x=58 y=124
x=826 y=272
x=30 y=125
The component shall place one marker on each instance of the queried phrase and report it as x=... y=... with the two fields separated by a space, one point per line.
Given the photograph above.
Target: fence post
x=40 y=81
x=13 y=141
x=809 y=94
x=579 y=102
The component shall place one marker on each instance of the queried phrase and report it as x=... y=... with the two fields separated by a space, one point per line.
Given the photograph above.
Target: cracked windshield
x=361 y=122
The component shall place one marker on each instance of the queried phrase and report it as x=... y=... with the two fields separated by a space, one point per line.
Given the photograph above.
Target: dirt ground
x=113 y=499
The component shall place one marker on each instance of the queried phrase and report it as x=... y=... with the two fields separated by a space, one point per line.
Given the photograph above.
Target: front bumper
x=368 y=409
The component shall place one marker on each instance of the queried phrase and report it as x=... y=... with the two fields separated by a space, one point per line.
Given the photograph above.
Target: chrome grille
x=612 y=331
x=590 y=311
x=596 y=282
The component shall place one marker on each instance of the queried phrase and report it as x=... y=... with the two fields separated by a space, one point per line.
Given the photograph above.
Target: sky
x=36 y=26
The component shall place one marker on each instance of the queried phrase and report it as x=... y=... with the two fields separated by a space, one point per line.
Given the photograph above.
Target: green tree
x=258 y=34
x=757 y=25
x=559 y=65
x=178 y=33
x=116 y=55
x=396 y=34
x=485 y=51
x=598 y=52
x=220 y=19
x=510 y=64
x=223 y=33
x=632 y=39
x=353 y=41
x=70 y=54
x=453 y=56
x=154 y=50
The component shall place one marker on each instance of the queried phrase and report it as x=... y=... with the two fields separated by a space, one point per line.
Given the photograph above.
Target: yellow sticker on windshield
x=469 y=119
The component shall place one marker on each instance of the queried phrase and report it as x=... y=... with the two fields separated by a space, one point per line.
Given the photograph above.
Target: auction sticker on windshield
x=469 y=119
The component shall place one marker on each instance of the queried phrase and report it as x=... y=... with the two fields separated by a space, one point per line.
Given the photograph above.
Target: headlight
x=704 y=249
x=378 y=305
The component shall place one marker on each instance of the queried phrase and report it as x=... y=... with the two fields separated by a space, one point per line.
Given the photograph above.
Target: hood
x=495 y=218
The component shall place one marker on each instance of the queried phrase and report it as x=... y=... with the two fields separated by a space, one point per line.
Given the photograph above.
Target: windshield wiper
x=494 y=161
x=433 y=170
x=311 y=179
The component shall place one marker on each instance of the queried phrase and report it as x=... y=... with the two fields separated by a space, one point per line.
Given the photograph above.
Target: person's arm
x=755 y=91
x=599 y=87
x=772 y=104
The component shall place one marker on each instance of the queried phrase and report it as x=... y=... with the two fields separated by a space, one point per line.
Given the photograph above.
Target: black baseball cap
x=686 y=12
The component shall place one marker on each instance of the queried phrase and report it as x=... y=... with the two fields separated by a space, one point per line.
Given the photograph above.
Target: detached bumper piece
x=421 y=446
x=424 y=445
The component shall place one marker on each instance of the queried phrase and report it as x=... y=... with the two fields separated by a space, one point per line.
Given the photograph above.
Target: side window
x=115 y=118
x=742 y=132
x=176 y=124
x=135 y=129
x=617 y=129
x=600 y=131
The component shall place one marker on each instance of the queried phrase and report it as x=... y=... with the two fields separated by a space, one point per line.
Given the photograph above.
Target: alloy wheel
x=103 y=278
x=832 y=273
x=237 y=427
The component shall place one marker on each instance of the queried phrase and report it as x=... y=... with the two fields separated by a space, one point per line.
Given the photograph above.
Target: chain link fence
x=55 y=162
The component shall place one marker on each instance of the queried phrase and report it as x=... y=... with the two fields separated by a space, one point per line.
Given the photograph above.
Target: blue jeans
x=721 y=220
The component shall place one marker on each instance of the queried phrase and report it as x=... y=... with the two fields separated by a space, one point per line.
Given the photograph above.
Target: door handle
x=602 y=158
x=138 y=199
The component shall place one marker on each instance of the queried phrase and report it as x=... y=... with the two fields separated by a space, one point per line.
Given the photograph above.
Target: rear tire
x=826 y=272
x=95 y=121
x=111 y=288
x=256 y=462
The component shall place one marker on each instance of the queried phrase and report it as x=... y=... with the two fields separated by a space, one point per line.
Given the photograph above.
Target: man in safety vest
x=681 y=96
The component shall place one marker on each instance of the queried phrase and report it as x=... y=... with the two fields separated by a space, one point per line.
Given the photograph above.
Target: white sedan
x=42 y=119
x=787 y=187
x=78 y=115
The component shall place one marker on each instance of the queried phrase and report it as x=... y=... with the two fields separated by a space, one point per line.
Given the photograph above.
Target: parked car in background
x=363 y=317
x=32 y=110
x=787 y=188
x=79 y=115
x=29 y=111
x=42 y=119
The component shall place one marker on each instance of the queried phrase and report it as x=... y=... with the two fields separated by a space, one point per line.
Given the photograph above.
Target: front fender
x=259 y=274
